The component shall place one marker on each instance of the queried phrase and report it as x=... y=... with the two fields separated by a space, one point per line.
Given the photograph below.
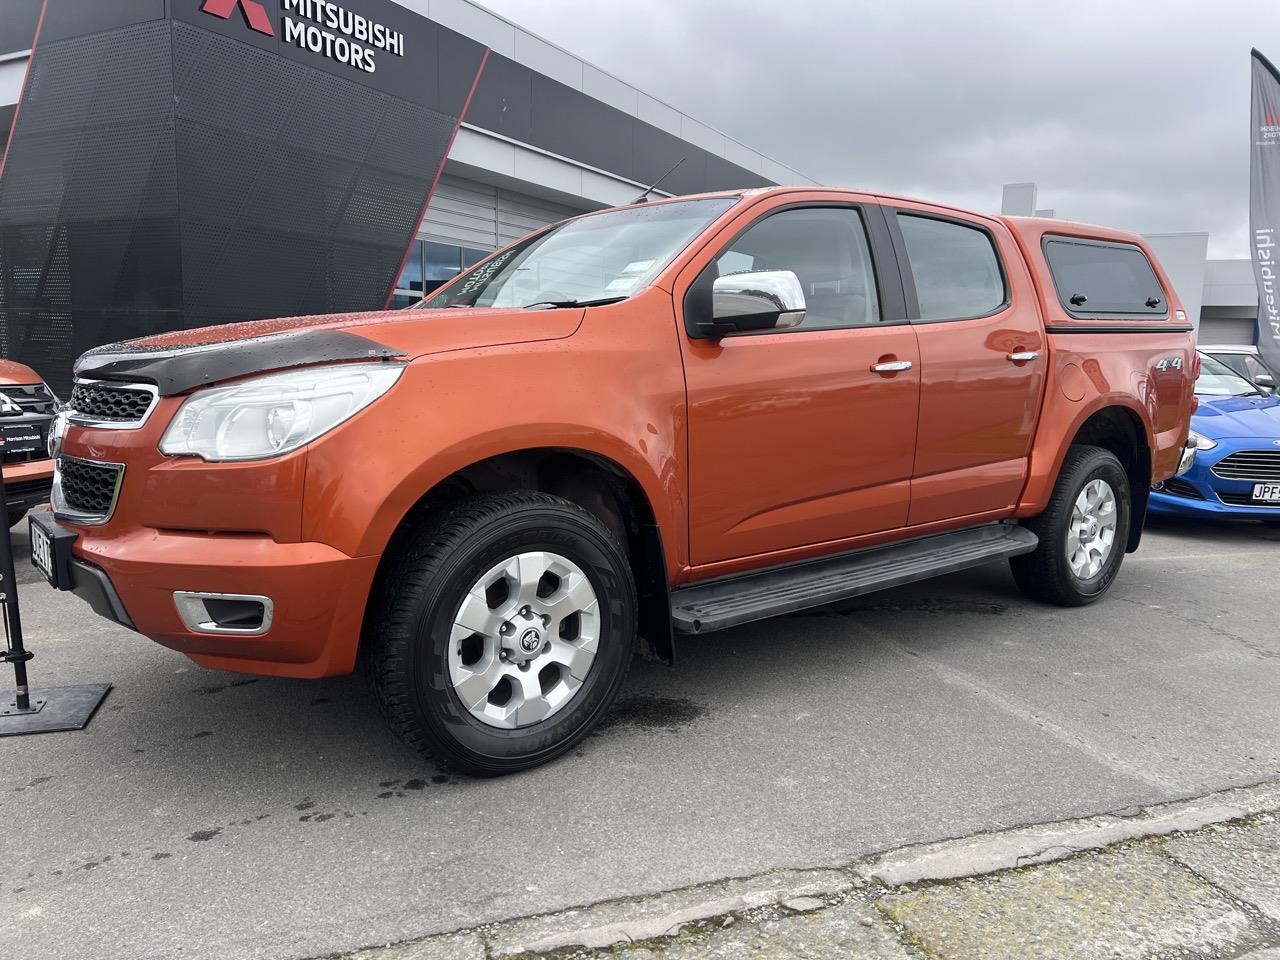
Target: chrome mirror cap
x=758 y=300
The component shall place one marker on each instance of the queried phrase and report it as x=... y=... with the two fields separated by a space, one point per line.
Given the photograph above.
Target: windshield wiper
x=598 y=302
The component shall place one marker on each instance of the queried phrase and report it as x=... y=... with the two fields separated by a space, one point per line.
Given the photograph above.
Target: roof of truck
x=1028 y=226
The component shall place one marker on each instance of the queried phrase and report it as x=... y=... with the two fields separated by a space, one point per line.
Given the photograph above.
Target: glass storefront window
x=411 y=276
x=431 y=265
x=444 y=262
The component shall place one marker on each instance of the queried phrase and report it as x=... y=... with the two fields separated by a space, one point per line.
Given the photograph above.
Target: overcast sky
x=1131 y=114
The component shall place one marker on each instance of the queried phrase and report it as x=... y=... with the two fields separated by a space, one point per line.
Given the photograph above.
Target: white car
x=1246 y=361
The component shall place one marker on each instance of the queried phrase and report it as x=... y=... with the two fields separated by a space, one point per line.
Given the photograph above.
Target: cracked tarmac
x=209 y=815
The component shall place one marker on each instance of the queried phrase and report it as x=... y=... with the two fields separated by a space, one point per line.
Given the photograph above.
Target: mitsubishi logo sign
x=319 y=26
x=254 y=12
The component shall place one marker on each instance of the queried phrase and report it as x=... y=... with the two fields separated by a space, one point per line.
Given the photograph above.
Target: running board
x=705 y=607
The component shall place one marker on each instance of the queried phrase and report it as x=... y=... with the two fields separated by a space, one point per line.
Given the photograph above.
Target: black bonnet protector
x=177 y=369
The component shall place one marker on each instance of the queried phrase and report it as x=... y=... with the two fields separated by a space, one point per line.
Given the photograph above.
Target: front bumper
x=1202 y=493
x=27 y=485
x=318 y=594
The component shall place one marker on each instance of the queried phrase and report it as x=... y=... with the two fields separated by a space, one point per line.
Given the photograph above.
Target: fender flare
x=1045 y=462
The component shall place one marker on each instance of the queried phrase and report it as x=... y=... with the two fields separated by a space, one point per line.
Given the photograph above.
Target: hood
x=179 y=361
x=1237 y=417
x=14 y=374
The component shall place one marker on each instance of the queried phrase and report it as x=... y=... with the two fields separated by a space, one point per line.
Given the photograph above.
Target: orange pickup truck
x=27 y=411
x=656 y=420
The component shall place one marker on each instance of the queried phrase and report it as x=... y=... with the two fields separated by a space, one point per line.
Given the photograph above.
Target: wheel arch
x=593 y=481
x=1117 y=425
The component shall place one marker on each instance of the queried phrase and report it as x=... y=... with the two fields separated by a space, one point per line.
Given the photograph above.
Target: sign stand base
x=52 y=710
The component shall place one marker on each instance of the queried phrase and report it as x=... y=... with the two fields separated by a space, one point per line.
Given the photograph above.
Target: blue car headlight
x=1200 y=441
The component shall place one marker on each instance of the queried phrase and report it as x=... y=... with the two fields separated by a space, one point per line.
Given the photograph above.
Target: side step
x=705 y=607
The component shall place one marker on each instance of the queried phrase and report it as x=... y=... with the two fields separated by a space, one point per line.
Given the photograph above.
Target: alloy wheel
x=524 y=639
x=1091 y=533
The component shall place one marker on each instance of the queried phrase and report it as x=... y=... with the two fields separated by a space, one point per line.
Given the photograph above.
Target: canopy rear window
x=1094 y=278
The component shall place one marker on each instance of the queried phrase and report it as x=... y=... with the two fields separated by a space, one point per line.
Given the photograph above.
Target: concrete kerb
x=667 y=914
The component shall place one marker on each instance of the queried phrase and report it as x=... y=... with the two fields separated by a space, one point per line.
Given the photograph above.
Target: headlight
x=276 y=413
x=1201 y=441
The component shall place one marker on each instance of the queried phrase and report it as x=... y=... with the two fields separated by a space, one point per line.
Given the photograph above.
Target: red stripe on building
x=436 y=182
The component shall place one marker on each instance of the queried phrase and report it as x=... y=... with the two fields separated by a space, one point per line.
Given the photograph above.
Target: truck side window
x=956 y=269
x=1094 y=277
x=826 y=247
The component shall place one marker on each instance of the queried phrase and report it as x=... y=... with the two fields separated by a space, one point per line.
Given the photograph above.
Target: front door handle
x=893 y=366
x=1025 y=356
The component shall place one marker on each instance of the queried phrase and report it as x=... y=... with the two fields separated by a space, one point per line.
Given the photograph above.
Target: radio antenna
x=644 y=197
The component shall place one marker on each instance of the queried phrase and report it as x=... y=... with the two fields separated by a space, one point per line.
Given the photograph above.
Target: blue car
x=1236 y=474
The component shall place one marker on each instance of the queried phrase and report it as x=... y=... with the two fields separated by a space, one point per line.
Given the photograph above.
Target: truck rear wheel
x=504 y=632
x=1083 y=532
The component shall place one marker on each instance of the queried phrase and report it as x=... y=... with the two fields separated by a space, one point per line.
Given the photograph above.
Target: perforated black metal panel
x=178 y=172
x=300 y=202
x=88 y=201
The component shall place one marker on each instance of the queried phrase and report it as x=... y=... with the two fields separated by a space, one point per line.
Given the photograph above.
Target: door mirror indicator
x=755 y=300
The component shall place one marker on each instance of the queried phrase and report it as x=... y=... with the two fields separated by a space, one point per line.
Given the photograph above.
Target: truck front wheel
x=503 y=632
x=1083 y=531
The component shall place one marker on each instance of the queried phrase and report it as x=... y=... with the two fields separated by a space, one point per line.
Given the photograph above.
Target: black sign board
x=19 y=438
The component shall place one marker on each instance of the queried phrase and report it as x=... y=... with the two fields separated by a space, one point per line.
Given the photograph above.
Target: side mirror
x=1266 y=381
x=743 y=302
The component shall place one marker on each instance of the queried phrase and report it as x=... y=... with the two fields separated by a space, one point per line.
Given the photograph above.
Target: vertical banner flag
x=1264 y=204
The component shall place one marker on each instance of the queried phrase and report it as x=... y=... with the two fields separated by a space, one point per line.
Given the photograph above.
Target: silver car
x=1245 y=361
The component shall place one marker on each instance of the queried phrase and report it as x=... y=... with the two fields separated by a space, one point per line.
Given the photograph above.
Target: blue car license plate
x=1267 y=492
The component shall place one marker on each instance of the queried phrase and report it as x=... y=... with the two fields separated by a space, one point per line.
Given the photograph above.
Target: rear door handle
x=1025 y=357
x=893 y=366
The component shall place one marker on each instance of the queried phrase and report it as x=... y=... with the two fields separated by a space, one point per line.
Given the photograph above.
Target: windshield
x=599 y=258
x=1218 y=380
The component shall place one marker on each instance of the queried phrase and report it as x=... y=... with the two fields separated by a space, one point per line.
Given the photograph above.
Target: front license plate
x=42 y=552
x=22 y=438
x=1267 y=492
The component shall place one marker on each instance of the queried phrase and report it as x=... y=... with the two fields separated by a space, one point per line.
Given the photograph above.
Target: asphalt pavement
x=210 y=815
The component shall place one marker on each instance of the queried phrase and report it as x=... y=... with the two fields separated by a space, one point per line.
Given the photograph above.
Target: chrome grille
x=85 y=491
x=95 y=403
x=1249 y=465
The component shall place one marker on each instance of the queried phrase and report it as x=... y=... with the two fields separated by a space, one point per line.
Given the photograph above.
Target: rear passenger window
x=826 y=248
x=1095 y=277
x=955 y=267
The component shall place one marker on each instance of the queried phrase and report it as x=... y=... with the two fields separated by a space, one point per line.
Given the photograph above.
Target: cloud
x=1130 y=114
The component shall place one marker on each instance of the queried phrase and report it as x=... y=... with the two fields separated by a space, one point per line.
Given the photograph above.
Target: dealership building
x=175 y=163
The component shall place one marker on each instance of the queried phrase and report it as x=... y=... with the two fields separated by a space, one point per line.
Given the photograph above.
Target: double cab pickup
x=649 y=422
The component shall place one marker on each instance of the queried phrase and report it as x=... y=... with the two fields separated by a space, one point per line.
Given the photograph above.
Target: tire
x=15 y=516
x=1047 y=573
x=417 y=652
